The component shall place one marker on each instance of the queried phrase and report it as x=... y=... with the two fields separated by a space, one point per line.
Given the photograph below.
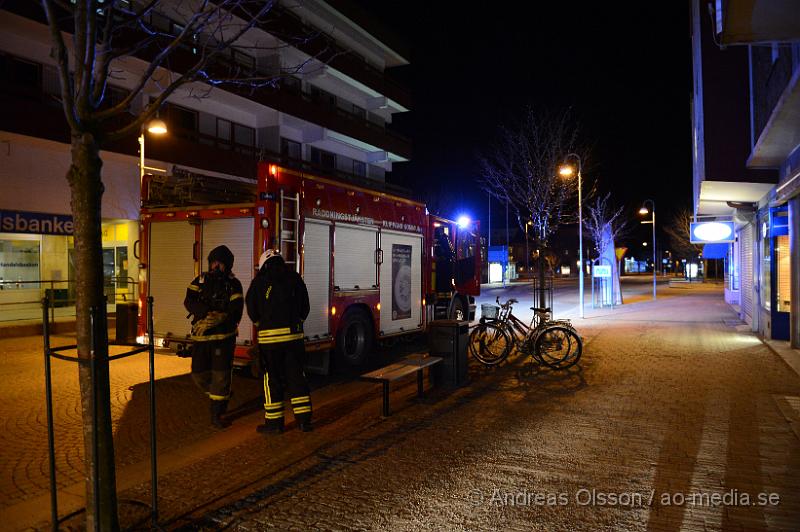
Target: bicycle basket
x=489 y=311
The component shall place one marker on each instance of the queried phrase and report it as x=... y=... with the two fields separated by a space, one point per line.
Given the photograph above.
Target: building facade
x=746 y=152
x=330 y=112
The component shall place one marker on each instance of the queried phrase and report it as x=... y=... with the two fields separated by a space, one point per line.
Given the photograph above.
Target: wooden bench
x=398 y=370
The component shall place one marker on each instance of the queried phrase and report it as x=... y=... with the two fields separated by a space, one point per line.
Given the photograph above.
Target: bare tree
x=521 y=169
x=605 y=224
x=93 y=43
x=678 y=232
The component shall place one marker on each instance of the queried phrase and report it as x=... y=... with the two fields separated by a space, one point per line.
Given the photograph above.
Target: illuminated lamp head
x=463 y=221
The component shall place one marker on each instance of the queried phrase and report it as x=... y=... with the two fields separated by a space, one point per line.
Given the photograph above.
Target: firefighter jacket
x=277 y=302
x=214 y=300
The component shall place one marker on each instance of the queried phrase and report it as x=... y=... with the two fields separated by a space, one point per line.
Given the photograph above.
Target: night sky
x=624 y=69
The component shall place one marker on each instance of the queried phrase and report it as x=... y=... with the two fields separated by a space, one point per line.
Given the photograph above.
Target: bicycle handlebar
x=508 y=303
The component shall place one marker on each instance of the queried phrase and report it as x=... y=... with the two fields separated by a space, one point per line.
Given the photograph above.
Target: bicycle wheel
x=489 y=344
x=558 y=347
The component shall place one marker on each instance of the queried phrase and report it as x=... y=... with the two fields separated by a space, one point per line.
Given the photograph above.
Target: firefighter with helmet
x=277 y=302
x=215 y=302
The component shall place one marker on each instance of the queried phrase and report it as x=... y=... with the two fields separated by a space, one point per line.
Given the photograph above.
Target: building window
x=322 y=96
x=182 y=118
x=291 y=149
x=323 y=159
x=360 y=112
x=243 y=135
x=292 y=83
x=224 y=130
x=359 y=168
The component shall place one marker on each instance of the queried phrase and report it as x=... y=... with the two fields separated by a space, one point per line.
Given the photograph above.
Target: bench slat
x=400 y=369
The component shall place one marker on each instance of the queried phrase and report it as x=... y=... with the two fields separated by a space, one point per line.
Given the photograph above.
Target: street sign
x=601 y=270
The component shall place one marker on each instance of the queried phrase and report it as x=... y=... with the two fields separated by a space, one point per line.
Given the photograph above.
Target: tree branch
x=62 y=60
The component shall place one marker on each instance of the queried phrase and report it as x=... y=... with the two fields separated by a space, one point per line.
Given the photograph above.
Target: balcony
x=37 y=114
x=327 y=51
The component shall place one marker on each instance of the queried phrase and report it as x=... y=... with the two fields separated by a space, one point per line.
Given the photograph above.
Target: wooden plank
x=421 y=362
x=390 y=373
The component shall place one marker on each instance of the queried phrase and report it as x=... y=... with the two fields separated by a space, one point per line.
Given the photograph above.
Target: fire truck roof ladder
x=290 y=229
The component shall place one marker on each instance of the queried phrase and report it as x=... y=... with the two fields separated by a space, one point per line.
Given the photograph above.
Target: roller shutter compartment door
x=237 y=234
x=354 y=257
x=170 y=271
x=401 y=282
x=317 y=275
x=746 y=237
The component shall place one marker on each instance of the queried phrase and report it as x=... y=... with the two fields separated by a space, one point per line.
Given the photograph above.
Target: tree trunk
x=86 y=188
x=542 y=298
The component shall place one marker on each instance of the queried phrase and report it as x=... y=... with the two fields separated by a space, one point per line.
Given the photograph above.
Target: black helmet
x=222 y=254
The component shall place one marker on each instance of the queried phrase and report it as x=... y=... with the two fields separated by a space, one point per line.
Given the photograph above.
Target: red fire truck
x=369 y=258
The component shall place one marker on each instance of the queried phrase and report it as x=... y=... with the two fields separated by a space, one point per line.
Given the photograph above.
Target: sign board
x=37 y=223
x=498 y=254
x=711 y=232
x=601 y=270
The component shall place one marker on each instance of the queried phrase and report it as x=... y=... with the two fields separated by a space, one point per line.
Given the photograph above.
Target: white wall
x=33 y=178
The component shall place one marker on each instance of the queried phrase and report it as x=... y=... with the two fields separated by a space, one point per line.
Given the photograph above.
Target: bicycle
x=554 y=343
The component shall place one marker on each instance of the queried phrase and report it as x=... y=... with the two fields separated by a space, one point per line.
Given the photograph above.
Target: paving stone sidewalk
x=675 y=420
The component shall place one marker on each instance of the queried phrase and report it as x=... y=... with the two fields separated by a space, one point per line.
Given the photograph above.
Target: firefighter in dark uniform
x=215 y=301
x=277 y=302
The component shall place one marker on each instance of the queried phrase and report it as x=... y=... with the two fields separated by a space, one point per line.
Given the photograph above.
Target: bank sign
x=711 y=232
x=37 y=223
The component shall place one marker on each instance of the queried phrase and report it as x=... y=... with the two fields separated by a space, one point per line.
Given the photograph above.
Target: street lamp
x=652 y=221
x=567 y=171
x=155 y=127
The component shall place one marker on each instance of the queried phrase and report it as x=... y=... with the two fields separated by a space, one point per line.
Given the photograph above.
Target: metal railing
x=61 y=293
x=97 y=318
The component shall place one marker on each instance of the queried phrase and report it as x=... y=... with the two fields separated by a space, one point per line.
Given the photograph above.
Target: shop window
x=783 y=273
x=19 y=264
x=766 y=266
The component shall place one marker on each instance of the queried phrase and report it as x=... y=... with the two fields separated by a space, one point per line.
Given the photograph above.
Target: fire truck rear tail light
x=333 y=311
x=378 y=306
x=423 y=301
x=273 y=170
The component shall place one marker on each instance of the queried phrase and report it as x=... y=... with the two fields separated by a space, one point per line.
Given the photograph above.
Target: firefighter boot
x=270 y=427
x=218 y=409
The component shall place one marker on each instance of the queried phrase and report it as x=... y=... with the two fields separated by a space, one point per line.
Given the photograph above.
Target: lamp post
x=652 y=221
x=567 y=171
x=156 y=127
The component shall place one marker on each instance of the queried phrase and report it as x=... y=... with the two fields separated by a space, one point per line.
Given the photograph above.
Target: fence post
x=49 y=401
x=153 y=458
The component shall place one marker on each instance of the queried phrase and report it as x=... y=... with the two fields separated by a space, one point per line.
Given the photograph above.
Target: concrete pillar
x=794 y=253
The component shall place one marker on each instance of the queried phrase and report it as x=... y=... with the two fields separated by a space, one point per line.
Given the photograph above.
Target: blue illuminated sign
x=37 y=223
x=711 y=232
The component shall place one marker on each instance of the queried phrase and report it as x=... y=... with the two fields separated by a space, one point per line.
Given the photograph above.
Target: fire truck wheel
x=459 y=311
x=354 y=338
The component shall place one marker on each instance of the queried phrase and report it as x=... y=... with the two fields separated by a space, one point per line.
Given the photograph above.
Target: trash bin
x=448 y=339
x=127 y=318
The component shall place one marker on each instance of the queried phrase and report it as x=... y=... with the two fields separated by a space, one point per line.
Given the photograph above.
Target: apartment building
x=330 y=112
x=746 y=140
